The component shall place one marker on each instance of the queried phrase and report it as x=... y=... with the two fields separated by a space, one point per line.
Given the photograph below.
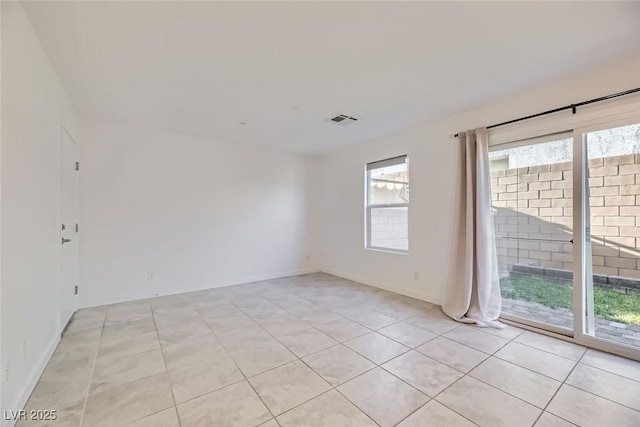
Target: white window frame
x=368 y=207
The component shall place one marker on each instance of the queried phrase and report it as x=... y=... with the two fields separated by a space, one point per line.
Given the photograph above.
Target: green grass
x=609 y=304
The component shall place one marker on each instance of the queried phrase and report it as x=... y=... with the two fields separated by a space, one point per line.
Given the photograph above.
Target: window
x=387 y=197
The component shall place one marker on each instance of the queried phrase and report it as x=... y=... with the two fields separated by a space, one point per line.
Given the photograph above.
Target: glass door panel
x=532 y=201
x=612 y=213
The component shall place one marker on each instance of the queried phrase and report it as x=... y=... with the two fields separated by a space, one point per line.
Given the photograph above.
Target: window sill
x=389 y=251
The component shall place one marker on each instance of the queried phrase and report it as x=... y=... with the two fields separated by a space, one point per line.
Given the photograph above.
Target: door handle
x=65 y=240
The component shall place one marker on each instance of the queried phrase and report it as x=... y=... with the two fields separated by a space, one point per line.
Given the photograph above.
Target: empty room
x=319 y=214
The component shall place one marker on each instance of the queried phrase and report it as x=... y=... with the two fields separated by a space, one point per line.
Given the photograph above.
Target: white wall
x=433 y=173
x=193 y=212
x=34 y=107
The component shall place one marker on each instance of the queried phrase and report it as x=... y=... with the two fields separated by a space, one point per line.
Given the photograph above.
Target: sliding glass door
x=611 y=234
x=567 y=218
x=532 y=206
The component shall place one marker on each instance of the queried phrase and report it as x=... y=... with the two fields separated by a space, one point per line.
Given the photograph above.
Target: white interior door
x=68 y=228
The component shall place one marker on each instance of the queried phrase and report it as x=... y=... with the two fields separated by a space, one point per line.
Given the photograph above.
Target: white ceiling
x=283 y=68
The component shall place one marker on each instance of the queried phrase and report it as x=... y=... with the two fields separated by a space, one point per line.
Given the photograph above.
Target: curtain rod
x=571 y=107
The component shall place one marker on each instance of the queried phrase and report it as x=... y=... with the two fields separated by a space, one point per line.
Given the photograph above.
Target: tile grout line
x=236 y=365
x=147 y=376
x=576 y=363
x=338 y=342
x=316 y=373
x=551 y=399
x=550 y=352
x=166 y=368
x=529 y=369
x=327 y=307
x=93 y=369
x=597 y=395
x=376 y=365
x=609 y=372
x=295 y=355
x=98 y=352
x=465 y=374
x=353 y=403
x=558 y=389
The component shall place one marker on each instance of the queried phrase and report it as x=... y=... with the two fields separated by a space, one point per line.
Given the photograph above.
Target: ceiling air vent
x=342 y=120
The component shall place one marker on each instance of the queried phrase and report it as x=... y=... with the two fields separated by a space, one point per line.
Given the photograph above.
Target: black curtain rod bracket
x=572 y=107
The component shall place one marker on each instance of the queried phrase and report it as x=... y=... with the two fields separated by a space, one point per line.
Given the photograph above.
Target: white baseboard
x=433 y=299
x=21 y=400
x=114 y=299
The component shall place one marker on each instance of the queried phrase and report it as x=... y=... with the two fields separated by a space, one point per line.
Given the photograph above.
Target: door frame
x=582 y=256
x=62 y=323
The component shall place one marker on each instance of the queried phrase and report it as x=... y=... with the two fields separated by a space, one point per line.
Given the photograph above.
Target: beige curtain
x=473 y=289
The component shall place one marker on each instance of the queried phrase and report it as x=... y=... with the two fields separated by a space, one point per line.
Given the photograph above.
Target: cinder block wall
x=389 y=228
x=534 y=215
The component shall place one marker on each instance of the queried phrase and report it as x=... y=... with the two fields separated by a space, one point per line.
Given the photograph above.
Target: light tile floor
x=317 y=350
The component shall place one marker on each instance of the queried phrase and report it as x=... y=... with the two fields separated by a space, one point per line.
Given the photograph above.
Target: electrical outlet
x=150 y=275
x=416 y=275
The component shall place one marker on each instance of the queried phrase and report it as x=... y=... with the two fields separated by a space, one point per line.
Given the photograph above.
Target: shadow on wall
x=533 y=208
x=530 y=245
